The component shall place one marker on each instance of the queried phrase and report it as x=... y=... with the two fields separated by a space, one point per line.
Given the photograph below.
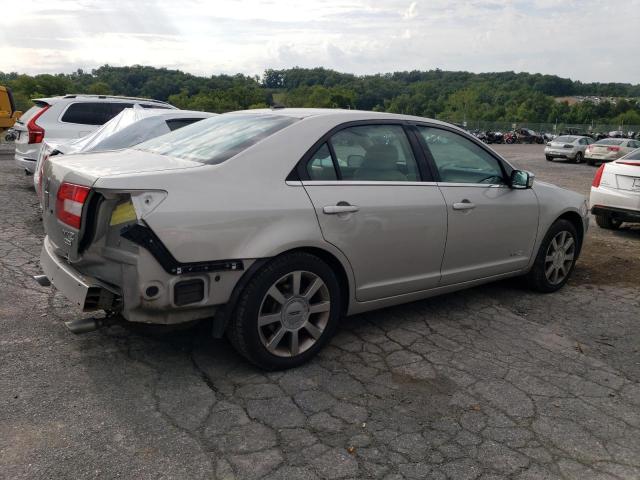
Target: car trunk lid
x=84 y=171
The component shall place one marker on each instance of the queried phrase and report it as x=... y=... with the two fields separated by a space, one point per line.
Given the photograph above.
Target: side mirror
x=521 y=179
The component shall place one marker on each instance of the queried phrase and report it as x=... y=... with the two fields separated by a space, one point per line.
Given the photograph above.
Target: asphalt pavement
x=493 y=382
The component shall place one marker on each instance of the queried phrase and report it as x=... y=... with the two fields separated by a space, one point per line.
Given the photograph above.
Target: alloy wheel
x=294 y=313
x=559 y=257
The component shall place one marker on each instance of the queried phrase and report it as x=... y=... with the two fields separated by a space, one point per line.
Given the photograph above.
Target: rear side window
x=93 y=113
x=375 y=153
x=218 y=138
x=176 y=123
x=320 y=166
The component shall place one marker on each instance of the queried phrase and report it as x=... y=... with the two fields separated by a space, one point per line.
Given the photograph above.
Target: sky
x=588 y=40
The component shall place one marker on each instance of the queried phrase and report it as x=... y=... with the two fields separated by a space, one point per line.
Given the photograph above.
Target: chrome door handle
x=336 y=209
x=464 y=205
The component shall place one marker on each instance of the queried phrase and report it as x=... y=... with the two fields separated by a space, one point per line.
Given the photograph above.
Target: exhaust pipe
x=86 y=325
x=42 y=280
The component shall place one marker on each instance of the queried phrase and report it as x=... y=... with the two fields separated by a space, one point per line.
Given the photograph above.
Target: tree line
x=453 y=96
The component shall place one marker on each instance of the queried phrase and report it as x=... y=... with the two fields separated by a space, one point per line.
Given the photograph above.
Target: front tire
x=287 y=312
x=608 y=222
x=556 y=258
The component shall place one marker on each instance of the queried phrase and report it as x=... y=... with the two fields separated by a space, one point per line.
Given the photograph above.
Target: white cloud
x=360 y=36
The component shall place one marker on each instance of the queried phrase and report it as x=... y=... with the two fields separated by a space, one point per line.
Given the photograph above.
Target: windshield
x=217 y=139
x=565 y=139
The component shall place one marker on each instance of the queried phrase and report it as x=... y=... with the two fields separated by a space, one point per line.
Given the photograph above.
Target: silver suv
x=278 y=223
x=71 y=116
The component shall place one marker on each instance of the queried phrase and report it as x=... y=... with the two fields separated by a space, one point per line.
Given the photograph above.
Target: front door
x=491 y=227
x=372 y=204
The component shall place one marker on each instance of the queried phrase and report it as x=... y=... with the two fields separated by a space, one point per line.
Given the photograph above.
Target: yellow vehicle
x=8 y=112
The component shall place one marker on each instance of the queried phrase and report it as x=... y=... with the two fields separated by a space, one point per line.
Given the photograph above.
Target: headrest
x=381 y=157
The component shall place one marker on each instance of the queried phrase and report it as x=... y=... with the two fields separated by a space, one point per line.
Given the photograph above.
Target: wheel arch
x=345 y=282
x=576 y=220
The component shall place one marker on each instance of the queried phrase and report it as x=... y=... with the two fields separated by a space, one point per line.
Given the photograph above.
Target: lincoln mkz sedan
x=277 y=223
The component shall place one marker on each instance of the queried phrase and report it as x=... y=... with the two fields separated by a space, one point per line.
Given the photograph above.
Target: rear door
x=491 y=227
x=375 y=204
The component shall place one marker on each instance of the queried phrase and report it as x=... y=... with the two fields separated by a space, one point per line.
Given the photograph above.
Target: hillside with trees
x=454 y=96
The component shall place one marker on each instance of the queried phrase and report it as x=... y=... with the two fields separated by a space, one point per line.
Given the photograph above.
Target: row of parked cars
x=582 y=148
x=275 y=223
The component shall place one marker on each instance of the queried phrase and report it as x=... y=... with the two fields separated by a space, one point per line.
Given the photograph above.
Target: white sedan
x=615 y=192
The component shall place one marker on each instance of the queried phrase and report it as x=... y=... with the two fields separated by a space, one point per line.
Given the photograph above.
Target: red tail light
x=589 y=147
x=613 y=149
x=36 y=132
x=69 y=203
x=598 y=177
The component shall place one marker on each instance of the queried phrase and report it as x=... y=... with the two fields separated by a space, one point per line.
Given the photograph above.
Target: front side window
x=375 y=153
x=218 y=138
x=459 y=160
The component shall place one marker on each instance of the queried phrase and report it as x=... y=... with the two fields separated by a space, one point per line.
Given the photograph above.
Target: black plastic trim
x=146 y=238
x=621 y=213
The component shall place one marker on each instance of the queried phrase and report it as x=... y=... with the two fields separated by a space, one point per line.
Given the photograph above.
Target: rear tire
x=287 y=312
x=549 y=158
x=579 y=157
x=608 y=222
x=556 y=258
x=590 y=162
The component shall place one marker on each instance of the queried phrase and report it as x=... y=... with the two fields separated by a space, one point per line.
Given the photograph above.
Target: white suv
x=70 y=116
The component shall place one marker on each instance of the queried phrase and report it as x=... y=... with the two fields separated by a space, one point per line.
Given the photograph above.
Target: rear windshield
x=218 y=138
x=635 y=155
x=609 y=141
x=29 y=114
x=565 y=139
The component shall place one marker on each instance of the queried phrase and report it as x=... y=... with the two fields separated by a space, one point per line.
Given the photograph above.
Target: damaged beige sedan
x=277 y=223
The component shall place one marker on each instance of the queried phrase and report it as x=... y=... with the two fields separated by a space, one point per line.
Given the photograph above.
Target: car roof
x=339 y=114
x=82 y=96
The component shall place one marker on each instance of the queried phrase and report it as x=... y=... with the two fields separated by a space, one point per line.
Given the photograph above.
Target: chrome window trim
x=355 y=183
x=477 y=185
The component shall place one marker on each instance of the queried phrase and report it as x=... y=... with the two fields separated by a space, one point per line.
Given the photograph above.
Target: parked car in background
x=609 y=149
x=617 y=134
x=277 y=223
x=615 y=193
x=70 y=116
x=526 y=135
x=127 y=129
x=568 y=147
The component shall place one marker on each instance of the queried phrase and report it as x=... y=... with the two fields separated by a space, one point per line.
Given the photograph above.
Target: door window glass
x=375 y=153
x=320 y=166
x=459 y=160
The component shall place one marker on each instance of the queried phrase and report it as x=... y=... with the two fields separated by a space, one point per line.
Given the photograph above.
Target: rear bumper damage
x=86 y=292
x=139 y=285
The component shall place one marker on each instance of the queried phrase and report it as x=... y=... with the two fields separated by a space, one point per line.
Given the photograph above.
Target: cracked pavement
x=492 y=382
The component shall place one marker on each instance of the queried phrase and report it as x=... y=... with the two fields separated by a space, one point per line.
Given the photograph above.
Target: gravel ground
x=493 y=382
